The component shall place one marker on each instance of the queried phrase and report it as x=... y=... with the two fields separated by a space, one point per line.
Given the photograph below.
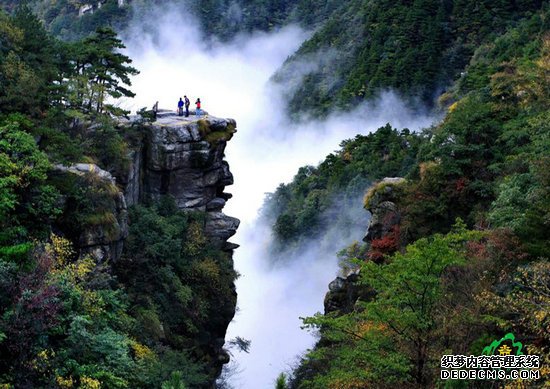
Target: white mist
x=232 y=80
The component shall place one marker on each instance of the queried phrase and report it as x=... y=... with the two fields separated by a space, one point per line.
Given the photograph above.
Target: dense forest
x=305 y=208
x=67 y=319
x=224 y=19
x=462 y=258
x=414 y=47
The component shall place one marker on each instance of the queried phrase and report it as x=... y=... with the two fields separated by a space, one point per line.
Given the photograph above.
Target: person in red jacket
x=198 y=111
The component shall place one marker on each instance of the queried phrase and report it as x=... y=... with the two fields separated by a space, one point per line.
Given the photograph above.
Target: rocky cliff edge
x=176 y=156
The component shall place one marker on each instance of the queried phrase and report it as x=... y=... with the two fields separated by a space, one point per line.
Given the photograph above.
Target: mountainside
x=115 y=269
x=115 y=265
x=327 y=196
x=414 y=47
x=179 y=165
x=76 y=19
x=456 y=251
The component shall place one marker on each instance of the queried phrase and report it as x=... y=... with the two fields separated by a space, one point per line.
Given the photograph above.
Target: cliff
x=179 y=157
x=182 y=158
x=101 y=237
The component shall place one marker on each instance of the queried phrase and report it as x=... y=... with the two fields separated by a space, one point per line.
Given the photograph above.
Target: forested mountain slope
x=468 y=223
x=456 y=254
x=77 y=18
x=415 y=47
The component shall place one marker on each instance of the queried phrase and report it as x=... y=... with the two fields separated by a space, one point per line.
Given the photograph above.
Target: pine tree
x=100 y=71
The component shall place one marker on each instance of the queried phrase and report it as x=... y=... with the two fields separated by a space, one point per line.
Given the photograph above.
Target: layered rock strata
x=179 y=157
x=103 y=241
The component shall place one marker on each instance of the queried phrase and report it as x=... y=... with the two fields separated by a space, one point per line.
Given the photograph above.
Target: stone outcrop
x=174 y=156
x=379 y=201
x=183 y=158
x=385 y=216
x=343 y=293
x=90 y=6
x=103 y=241
x=177 y=156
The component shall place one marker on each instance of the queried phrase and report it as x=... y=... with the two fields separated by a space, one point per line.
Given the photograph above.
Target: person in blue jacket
x=180 y=107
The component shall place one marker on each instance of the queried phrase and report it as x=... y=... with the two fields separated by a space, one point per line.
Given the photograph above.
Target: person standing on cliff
x=198 y=110
x=187 y=104
x=155 y=110
x=180 y=107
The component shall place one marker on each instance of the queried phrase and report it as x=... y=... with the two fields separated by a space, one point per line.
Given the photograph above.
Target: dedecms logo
x=507 y=345
x=502 y=360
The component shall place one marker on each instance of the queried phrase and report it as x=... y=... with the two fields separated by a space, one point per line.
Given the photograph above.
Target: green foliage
x=409 y=290
x=487 y=145
x=146 y=116
x=110 y=150
x=528 y=303
x=179 y=287
x=60 y=146
x=302 y=208
x=280 y=383
x=99 y=71
x=388 y=338
x=458 y=169
x=62 y=17
x=66 y=321
x=63 y=87
x=523 y=201
x=89 y=204
x=223 y=18
x=27 y=203
x=413 y=47
x=360 y=47
x=176 y=381
x=29 y=64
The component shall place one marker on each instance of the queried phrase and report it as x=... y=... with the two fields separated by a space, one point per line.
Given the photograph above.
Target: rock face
x=380 y=203
x=179 y=157
x=342 y=295
x=90 y=6
x=183 y=157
